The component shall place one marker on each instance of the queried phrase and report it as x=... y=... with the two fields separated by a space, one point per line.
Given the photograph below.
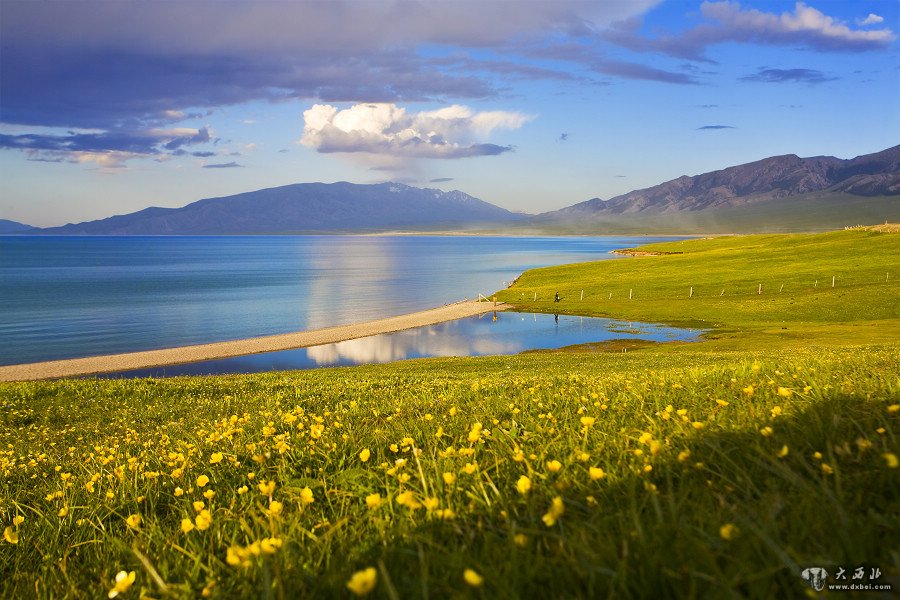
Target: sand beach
x=270 y=343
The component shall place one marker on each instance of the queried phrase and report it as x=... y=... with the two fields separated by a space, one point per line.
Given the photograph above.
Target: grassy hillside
x=688 y=471
x=716 y=283
x=813 y=212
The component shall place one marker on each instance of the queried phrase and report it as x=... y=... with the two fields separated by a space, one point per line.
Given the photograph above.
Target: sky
x=108 y=107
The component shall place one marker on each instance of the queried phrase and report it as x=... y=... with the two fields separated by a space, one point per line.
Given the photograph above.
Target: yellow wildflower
x=266 y=488
x=748 y=390
x=470 y=468
x=179 y=492
x=826 y=468
x=523 y=484
x=208 y=494
x=202 y=480
x=475 y=433
x=275 y=508
x=203 y=520
x=449 y=478
x=554 y=466
x=520 y=539
x=270 y=545
x=596 y=473
x=727 y=531
x=363 y=582
x=133 y=521
x=242 y=490
x=587 y=421
x=11 y=535
x=784 y=392
x=722 y=402
x=408 y=500
x=216 y=458
x=557 y=508
x=584 y=456
x=199 y=505
x=684 y=455
x=18 y=520
x=473 y=578
x=364 y=455
x=783 y=452
x=373 y=501
x=893 y=408
x=306 y=496
x=697 y=425
x=123 y=583
x=63 y=512
x=766 y=431
x=187 y=525
x=891 y=459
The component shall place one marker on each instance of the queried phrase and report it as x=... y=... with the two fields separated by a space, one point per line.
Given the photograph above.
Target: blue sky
x=109 y=107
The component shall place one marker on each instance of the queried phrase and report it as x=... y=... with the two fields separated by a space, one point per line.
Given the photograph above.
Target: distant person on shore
x=557 y=297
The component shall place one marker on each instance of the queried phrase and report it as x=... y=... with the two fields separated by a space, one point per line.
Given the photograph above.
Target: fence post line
x=691 y=293
x=582 y=294
x=759 y=290
x=832 y=281
x=629 y=293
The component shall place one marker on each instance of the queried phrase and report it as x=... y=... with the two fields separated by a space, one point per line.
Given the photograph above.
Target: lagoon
x=504 y=332
x=66 y=297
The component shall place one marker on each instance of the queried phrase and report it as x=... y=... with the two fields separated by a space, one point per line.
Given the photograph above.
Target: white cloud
x=805 y=24
x=387 y=129
x=872 y=19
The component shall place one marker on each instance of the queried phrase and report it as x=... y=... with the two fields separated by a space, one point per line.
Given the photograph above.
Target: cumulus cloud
x=387 y=129
x=872 y=19
x=810 y=76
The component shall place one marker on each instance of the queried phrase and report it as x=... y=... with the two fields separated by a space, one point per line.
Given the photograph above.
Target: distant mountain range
x=7 y=226
x=781 y=193
x=307 y=208
x=757 y=182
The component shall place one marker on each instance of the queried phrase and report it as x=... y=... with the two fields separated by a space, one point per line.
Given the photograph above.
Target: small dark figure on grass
x=557 y=297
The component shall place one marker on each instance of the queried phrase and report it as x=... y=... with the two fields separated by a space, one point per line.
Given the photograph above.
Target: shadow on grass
x=631 y=541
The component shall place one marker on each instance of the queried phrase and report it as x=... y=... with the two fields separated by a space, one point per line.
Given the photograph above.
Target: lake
x=66 y=297
x=504 y=332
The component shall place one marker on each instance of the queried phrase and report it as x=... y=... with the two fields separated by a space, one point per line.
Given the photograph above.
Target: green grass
x=715 y=283
x=719 y=469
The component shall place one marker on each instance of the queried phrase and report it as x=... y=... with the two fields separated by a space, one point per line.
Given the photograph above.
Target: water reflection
x=500 y=333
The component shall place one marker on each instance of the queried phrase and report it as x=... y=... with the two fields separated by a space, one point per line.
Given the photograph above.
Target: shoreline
x=144 y=359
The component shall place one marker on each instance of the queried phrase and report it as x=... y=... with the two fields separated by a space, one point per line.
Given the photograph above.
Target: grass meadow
x=719 y=469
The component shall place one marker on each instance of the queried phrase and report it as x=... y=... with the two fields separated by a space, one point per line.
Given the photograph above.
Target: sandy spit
x=270 y=343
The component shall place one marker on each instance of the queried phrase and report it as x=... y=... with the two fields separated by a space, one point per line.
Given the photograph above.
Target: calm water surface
x=65 y=297
x=509 y=333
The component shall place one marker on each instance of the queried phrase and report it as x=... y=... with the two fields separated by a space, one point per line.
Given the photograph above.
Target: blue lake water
x=66 y=297
x=508 y=333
